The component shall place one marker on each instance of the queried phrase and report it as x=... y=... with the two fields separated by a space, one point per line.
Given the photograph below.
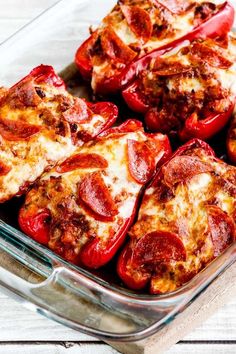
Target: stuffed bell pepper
x=191 y=90
x=83 y=207
x=40 y=124
x=186 y=219
x=137 y=30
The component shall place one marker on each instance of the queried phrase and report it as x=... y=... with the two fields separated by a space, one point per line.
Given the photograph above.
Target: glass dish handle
x=70 y=300
x=45 y=283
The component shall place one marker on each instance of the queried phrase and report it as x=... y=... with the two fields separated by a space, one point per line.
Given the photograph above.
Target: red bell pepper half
x=155 y=244
x=216 y=26
x=179 y=97
x=70 y=216
x=231 y=141
x=205 y=128
x=193 y=126
x=51 y=123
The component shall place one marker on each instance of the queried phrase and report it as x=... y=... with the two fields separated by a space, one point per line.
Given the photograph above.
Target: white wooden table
x=22 y=331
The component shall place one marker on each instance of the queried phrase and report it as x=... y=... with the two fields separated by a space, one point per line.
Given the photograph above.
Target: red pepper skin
x=138 y=280
x=36 y=226
x=105 y=109
x=216 y=26
x=204 y=128
x=95 y=254
x=135 y=99
x=194 y=143
x=82 y=59
x=151 y=119
x=135 y=282
x=46 y=74
x=130 y=125
x=231 y=142
x=193 y=127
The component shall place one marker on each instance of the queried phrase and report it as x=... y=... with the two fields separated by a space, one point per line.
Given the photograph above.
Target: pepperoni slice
x=24 y=94
x=141 y=161
x=96 y=196
x=181 y=168
x=170 y=69
x=158 y=246
x=78 y=113
x=14 y=130
x=139 y=21
x=115 y=48
x=222 y=229
x=82 y=161
x=4 y=169
x=211 y=56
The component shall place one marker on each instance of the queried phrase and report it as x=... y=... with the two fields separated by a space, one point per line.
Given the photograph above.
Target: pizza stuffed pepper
x=186 y=219
x=83 y=207
x=137 y=30
x=40 y=124
x=190 y=90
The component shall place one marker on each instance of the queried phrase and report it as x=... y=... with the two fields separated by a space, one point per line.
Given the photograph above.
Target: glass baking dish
x=95 y=303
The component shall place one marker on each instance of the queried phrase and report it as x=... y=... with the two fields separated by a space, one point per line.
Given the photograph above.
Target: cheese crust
x=197 y=78
x=143 y=26
x=198 y=206
x=63 y=190
x=39 y=126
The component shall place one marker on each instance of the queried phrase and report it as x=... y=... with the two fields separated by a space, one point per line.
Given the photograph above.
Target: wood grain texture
x=72 y=348
x=13 y=16
x=20 y=324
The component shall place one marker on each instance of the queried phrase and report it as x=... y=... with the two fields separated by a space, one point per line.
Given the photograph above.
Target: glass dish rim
x=188 y=291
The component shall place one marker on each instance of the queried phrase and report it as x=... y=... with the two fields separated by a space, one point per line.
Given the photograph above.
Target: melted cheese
x=28 y=158
x=42 y=153
x=123 y=189
x=187 y=84
x=123 y=30
x=186 y=214
x=180 y=25
x=195 y=85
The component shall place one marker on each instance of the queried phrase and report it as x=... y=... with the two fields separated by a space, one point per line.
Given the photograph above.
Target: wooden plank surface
x=22 y=331
x=74 y=348
x=18 y=323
